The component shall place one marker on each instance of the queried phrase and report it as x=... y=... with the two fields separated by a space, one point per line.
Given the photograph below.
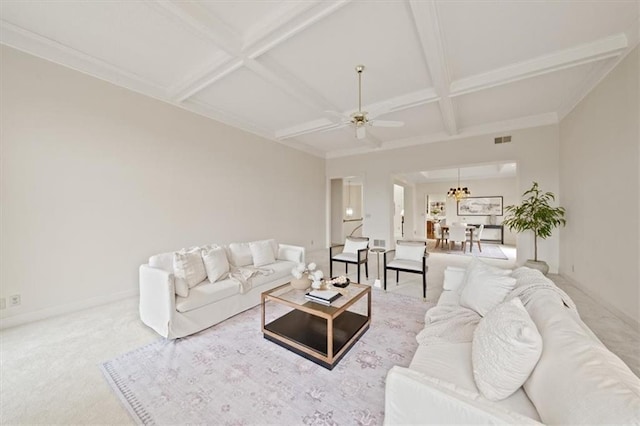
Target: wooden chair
x=408 y=256
x=355 y=250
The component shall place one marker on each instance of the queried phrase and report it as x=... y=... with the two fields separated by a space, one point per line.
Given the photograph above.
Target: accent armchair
x=408 y=256
x=355 y=251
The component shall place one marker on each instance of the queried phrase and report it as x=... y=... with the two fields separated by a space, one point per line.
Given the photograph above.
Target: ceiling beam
x=427 y=24
x=598 y=50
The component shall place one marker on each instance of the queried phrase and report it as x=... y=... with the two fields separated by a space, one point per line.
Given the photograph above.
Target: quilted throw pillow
x=505 y=349
x=188 y=269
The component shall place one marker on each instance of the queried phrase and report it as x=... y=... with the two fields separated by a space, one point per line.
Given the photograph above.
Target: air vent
x=502 y=139
x=379 y=243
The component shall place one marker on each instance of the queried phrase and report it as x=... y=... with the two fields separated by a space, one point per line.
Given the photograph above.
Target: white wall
x=600 y=157
x=96 y=178
x=506 y=187
x=535 y=150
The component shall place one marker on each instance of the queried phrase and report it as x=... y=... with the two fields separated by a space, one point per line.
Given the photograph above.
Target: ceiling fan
x=360 y=118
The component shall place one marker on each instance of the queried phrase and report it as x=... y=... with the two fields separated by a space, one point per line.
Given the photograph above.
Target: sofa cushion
x=215 y=263
x=188 y=269
x=281 y=269
x=412 y=265
x=451 y=363
x=352 y=246
x=262 y=253
x=485 y=287
x=448 y=297
x=349 y=257
x=506 y=347
x=577 y=380
x=413 y=252
x=206 y=293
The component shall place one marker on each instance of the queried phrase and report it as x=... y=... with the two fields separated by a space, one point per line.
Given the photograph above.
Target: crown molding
x=45 y=48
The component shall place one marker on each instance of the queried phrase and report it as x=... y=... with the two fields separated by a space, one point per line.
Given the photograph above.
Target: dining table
x=470 y=229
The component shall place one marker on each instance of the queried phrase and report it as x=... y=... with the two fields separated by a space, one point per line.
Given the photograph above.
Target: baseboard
x=63 y=309
x=615 y=311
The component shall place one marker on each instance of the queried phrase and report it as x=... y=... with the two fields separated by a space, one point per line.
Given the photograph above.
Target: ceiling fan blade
x=361 y=132
x=386 y=123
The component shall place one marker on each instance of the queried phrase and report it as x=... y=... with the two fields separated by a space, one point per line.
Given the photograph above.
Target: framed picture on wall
x=480 y=206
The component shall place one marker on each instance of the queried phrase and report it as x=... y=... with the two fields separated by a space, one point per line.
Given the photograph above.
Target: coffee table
x=319 y=333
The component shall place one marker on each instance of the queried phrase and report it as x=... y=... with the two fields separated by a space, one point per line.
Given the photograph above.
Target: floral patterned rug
x=230 y=375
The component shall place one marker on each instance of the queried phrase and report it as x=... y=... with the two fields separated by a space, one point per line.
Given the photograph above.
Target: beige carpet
x=50 y=369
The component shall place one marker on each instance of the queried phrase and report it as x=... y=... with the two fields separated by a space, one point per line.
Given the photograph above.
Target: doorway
x=398 y=211
x=346 y=208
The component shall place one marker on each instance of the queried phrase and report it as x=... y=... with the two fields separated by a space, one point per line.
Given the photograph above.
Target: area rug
x=229 y=374
x=491 y=251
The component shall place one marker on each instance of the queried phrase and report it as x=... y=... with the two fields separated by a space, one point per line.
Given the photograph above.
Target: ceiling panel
x=538 y=95
x=332 y=140
x=324 y=55
x=247 y=16
x=132 y=36
x=421 y=120
x=245 y=94
x=483 y=35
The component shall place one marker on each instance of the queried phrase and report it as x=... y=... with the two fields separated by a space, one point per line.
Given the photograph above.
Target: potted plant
x=535 y=214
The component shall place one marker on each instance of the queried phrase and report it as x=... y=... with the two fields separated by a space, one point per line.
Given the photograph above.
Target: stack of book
x=324 y=297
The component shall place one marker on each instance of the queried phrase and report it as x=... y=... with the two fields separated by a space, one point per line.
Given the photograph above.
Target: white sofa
x=577 y=380
x=207 y=303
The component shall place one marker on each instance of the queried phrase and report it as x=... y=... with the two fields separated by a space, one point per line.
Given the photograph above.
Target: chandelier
x=459 y=193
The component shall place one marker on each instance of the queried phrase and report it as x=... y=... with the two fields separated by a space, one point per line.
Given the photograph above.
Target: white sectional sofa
x=576 y=379
x=176 y=309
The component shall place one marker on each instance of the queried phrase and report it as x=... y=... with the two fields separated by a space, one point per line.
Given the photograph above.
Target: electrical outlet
x=3 y=303
x=14 y=300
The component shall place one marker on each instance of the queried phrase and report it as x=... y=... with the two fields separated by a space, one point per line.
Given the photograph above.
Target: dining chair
x=477 y=235
x=355 y=251
x=441 y=236
x=408 y=256
x=458 y=234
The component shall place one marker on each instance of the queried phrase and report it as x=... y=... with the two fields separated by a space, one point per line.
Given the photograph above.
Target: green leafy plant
x=535 y=214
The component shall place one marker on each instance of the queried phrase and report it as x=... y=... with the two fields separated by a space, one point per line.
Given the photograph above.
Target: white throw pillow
x=215 y=263
x=240 y=254
x=505 y=349
x=352 y=246
x=453 y=279
x=413 y=252
x=262 y=253
x=188 y=269
x=485 y=287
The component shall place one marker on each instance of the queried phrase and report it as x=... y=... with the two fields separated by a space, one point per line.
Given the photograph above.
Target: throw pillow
x=240 y=254
x=262 y=253
x=352 y=246
x=188 y=269
x=485 y=287
x=413 y=252
x=505 y=349
x=215 y=263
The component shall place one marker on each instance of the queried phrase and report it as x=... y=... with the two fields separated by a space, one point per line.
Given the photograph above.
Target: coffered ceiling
x=446 y=69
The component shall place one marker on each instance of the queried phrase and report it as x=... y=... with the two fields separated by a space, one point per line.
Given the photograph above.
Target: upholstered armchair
x=355 y=251
x=408 y=256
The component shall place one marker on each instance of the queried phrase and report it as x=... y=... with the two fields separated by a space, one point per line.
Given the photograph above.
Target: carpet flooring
x=203 y=379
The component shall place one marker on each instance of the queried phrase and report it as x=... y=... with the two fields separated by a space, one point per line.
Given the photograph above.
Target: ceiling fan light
x=361 y=132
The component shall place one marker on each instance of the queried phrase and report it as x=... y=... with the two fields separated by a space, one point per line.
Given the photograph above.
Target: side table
x=377 y=251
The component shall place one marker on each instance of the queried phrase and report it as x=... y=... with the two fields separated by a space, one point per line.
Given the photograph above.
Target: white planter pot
x=537 y=264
